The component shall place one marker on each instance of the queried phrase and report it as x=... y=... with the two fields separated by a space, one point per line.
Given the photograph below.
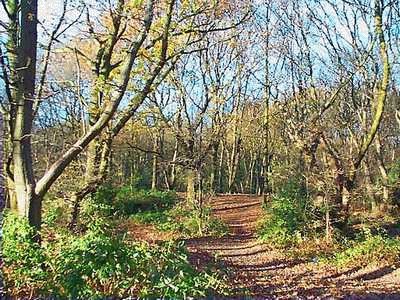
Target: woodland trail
x=257 y=272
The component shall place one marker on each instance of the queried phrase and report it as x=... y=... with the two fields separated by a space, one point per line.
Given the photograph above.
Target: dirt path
x=262 y=273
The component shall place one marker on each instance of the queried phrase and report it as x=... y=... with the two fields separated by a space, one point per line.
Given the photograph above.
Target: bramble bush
x=98 y=264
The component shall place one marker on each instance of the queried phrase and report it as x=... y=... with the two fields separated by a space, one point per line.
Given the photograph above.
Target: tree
x=23 y=52
x=169 y=40
x=29 y=191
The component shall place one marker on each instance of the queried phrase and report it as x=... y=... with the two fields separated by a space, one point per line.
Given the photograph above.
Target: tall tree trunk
x=382 y=170
x=173 y=169
x=170 y=176
x=368 y=182
x=233 y=161
x=258 y=176
x=2 y=187
x=2 y=198
x=266 y=155
x=220 y=168
x=12 y=51
x=381 y=92
x=214 y=168
x=154 y=173
x=233 y=158
x=251 y=175
x=28 y=202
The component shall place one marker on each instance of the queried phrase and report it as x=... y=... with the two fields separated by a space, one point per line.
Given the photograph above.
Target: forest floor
x=256 y=271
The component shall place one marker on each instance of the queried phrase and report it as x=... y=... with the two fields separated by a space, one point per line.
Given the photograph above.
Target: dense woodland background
x=108 y=105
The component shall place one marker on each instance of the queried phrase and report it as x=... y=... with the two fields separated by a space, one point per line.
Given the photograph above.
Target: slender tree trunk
x=190 y=187
x=154 y=176
x=2 y=199
x=266 y=156
x=173 y=168
x=258 y=176
x=383 y=171
x=2 y=187
x=199 y=192
x=220 y=168
x=12 y=51
x=169 y=173
x=233 y=162
x=369 y=186
x=251 y=176
x=92 y=167
x=381 y=92
x=214 y=168
x=233 y=158
x=328 y=229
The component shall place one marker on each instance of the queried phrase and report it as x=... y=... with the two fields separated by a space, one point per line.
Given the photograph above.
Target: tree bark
x=2 y=187
x=220 y=168
x=214 y=168
x=383 y=171
x=190 y=187
x=173 y=167
x=154 y=176
x=28 y=201
x=265 y=189
x=251 y=175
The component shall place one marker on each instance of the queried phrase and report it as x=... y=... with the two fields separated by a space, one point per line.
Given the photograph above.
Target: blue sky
x=47 y=10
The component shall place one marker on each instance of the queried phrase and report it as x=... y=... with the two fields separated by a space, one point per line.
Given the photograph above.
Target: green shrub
x=365 y=249
x=394 y=173
x=98 y=264
x=141 y=180
x=216 y=227
x=127 y=200
x=174 y=278
x=184 y=221
x=24 y=260
x=152 y=217
x=289 y=216
x=105 y=195
x=208 y=224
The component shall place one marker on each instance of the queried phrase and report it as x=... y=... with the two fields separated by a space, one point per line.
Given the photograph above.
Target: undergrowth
x=184 y=221
x=288 y=218
x=365 y=249
x=292 y=222
x=98 y=264
x=125 y=201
